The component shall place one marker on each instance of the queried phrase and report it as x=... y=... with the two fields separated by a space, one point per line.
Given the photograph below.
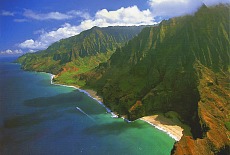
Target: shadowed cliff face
x=168 y=68
x=213 y=111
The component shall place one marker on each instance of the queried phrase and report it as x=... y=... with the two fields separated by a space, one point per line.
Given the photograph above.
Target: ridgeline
x=80 y=53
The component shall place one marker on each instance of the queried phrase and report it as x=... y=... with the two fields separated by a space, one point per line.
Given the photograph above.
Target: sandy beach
x=173 y=128
x=89 y=92
x=94 y=95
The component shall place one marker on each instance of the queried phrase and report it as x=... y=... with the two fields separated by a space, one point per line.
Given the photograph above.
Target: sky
x=33 y=25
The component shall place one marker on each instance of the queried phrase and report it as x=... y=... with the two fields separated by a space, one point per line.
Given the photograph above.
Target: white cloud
x=173 y=8
x=124 y=16
x=214 y=2
x=10 y=52
x=31 y=44
x=103 y=18
x=20 y=20
x=47 y=38
x=41 y=31
x=46 y=16
x=7 y=13
x=31 y=51
x=55 y=15
x=82 y=14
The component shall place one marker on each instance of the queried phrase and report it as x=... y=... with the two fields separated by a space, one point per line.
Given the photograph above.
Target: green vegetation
x=96 y=45
x=69 y=75
x=227 y=125
x=157 y=66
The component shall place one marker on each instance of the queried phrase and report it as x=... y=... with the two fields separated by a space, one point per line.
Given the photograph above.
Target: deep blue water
x=37 y=118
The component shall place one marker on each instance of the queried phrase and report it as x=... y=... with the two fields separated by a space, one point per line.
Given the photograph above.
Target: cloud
x=55 y=15
x=173 y=8
x=31 y=51
x=82 y=14
x=41 y=31
x=215 y=2
x=6 y=13
x=124 y=16
x=30 y=43
x=45 y=16
x=103 y=18
x=20 y=20
x=47 y=38
x=11 y=52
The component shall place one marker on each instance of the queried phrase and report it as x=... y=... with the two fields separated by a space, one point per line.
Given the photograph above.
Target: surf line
x=85 y=113
x=85 y=92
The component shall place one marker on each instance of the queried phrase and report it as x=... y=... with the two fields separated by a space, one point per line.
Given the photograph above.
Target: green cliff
x=181 y=65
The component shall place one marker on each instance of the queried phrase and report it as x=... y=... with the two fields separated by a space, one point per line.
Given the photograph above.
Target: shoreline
x=160 y=122
x=174 y=131
x=90 y=93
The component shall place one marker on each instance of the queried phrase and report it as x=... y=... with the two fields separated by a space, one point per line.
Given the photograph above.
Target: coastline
x=173 y=129
x=158 y=121
x=91 y=93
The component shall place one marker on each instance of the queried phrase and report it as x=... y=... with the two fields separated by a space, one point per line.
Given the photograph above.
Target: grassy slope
x=70 y=71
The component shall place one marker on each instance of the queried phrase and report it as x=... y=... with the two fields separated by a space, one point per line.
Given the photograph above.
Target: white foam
x=114 y=115
x=125 y=119
x=85 y=92
x=159 y=128
x=85 y=113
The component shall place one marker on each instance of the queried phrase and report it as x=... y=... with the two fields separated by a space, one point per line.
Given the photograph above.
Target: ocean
x=38 y=118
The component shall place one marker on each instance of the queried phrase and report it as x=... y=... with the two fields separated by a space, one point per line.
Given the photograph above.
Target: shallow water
x=37 y=118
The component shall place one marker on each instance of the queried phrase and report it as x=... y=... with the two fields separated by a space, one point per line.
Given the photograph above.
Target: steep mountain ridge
x=93 y=42
x=169 y=68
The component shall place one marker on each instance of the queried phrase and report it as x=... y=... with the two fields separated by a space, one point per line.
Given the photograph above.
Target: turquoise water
x=37 y=118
